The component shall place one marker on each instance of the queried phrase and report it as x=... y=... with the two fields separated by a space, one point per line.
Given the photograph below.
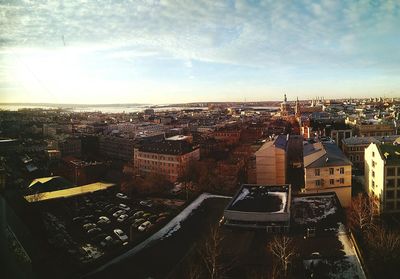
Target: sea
x=97 y=108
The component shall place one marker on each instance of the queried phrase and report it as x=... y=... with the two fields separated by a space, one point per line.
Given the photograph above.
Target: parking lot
x=100 y=225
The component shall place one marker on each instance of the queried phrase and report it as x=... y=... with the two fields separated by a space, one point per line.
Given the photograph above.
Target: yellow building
x=271 y=161
x=382 y=175
x=326 y=169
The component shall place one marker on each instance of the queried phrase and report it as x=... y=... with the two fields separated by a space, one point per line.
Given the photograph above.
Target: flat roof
x=261 y=198
x=67 y=193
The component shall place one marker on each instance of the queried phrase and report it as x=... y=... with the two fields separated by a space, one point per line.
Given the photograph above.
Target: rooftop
x=368 y=140
x=323 y=155
x=67 y=193
x=169 y=147
x=261 y=198
x=390 y=153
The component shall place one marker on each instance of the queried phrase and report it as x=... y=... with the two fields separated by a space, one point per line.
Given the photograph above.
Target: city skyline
x=158 y=52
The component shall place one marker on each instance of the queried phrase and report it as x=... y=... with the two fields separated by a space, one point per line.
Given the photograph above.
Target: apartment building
x=116 y=147
x=354 y=148
x=271 y=161
x=327 y=169
x=169 y=158
x=382 y=175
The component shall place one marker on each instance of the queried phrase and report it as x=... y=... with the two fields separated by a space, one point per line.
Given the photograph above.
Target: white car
x=122 y=217
x=144 y=226
x=122 y=196
x=124 y=206
x=119 y=212
x=121 y=235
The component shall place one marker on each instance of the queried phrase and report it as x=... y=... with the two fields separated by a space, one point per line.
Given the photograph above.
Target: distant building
x=70 y=147
x=354 y=148
x=382 y=175
x=375 y=129
x=326 y=169
x=339 y=134
x=116 y=147
x=169 y=158
x=229 y=136
x=9 y=146
x=271 y=161
x=285 y=107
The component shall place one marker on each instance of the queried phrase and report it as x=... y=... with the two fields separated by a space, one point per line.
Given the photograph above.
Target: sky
x=161 y=51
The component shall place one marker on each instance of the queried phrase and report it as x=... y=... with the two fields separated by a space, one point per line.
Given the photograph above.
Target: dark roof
x=281 y=141
x=48 y=184
x=390 y=153
x=168 y=147
x=324 y=155
x=368 y=140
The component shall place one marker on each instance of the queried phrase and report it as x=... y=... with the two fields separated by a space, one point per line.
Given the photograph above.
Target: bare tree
x=283 y=249
x=361 y=212
x=211 y=254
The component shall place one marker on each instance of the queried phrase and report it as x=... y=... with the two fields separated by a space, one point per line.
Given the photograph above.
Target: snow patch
x=283 y=197
x=243 y=194
x=350 y=266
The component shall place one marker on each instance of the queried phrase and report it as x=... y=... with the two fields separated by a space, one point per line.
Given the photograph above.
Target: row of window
x=357 y=158
x=331 y=171
x=390 y=194
x=168 y=158
x=148 y=162
x=331 y=182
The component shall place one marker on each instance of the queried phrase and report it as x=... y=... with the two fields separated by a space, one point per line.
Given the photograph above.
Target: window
x=390 y=183
x=398 y=194
x=317 y=172
x=351 y=157
x=390 y=171
x=341 y=170
x=317 y=182
x=373 y=173
x=373 y=164
x=373 y=183
x=357 y=158
x=331 y=181
x=373 y=154
x=389 y=205
x=341 y=180
x=390 y=194
x=331 y=171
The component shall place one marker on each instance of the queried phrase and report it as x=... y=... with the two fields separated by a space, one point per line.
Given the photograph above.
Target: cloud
x=275 y=41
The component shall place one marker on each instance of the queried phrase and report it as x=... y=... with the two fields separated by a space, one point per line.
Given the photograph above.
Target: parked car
x=94 y=230
x=103 y=220
x=147 y=203
x=144 y=226
x=119 y=212
x=161 y=219
x=107 y=241
x=162 y=214
x=122 y=218
x=124 y=206
x=122 y=196
x=146 y=215
x=138 y=214
x=138 y=222
x=121 y=235
x=89 y=226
